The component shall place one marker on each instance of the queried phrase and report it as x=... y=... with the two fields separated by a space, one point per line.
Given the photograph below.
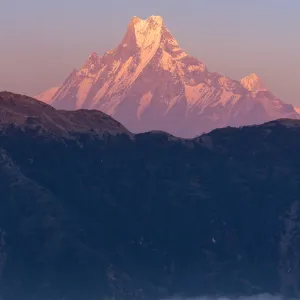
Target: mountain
x=253 y=83
x=89 y=210
x=297 y=109
x=47 y=96
x=27 y=113
x=149 y=83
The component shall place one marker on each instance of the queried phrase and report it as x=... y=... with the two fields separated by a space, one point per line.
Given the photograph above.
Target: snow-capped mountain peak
x=158 y=20
x=148 y=32
x=253 y=83
x=144 y=32
x=149 y=83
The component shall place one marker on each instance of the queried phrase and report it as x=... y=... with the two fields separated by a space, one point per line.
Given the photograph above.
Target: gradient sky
x=43 y=40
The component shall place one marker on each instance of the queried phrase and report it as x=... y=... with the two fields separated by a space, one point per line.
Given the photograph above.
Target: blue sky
x=41 y=41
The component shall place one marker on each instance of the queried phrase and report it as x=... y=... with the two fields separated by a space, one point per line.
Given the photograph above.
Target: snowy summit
x=149 y=83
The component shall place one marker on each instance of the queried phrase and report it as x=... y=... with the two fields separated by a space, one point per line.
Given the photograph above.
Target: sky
x=41 y=41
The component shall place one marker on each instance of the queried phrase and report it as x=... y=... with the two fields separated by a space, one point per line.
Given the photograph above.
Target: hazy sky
x=41 y=41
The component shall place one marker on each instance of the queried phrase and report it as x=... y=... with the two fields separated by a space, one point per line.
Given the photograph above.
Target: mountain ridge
x=149 y=83
x=47 y=95
x=123 y=216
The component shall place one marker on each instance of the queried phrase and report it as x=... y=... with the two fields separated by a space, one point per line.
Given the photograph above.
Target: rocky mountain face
x=89 y=210
x=149 y=83
x=47 y=96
